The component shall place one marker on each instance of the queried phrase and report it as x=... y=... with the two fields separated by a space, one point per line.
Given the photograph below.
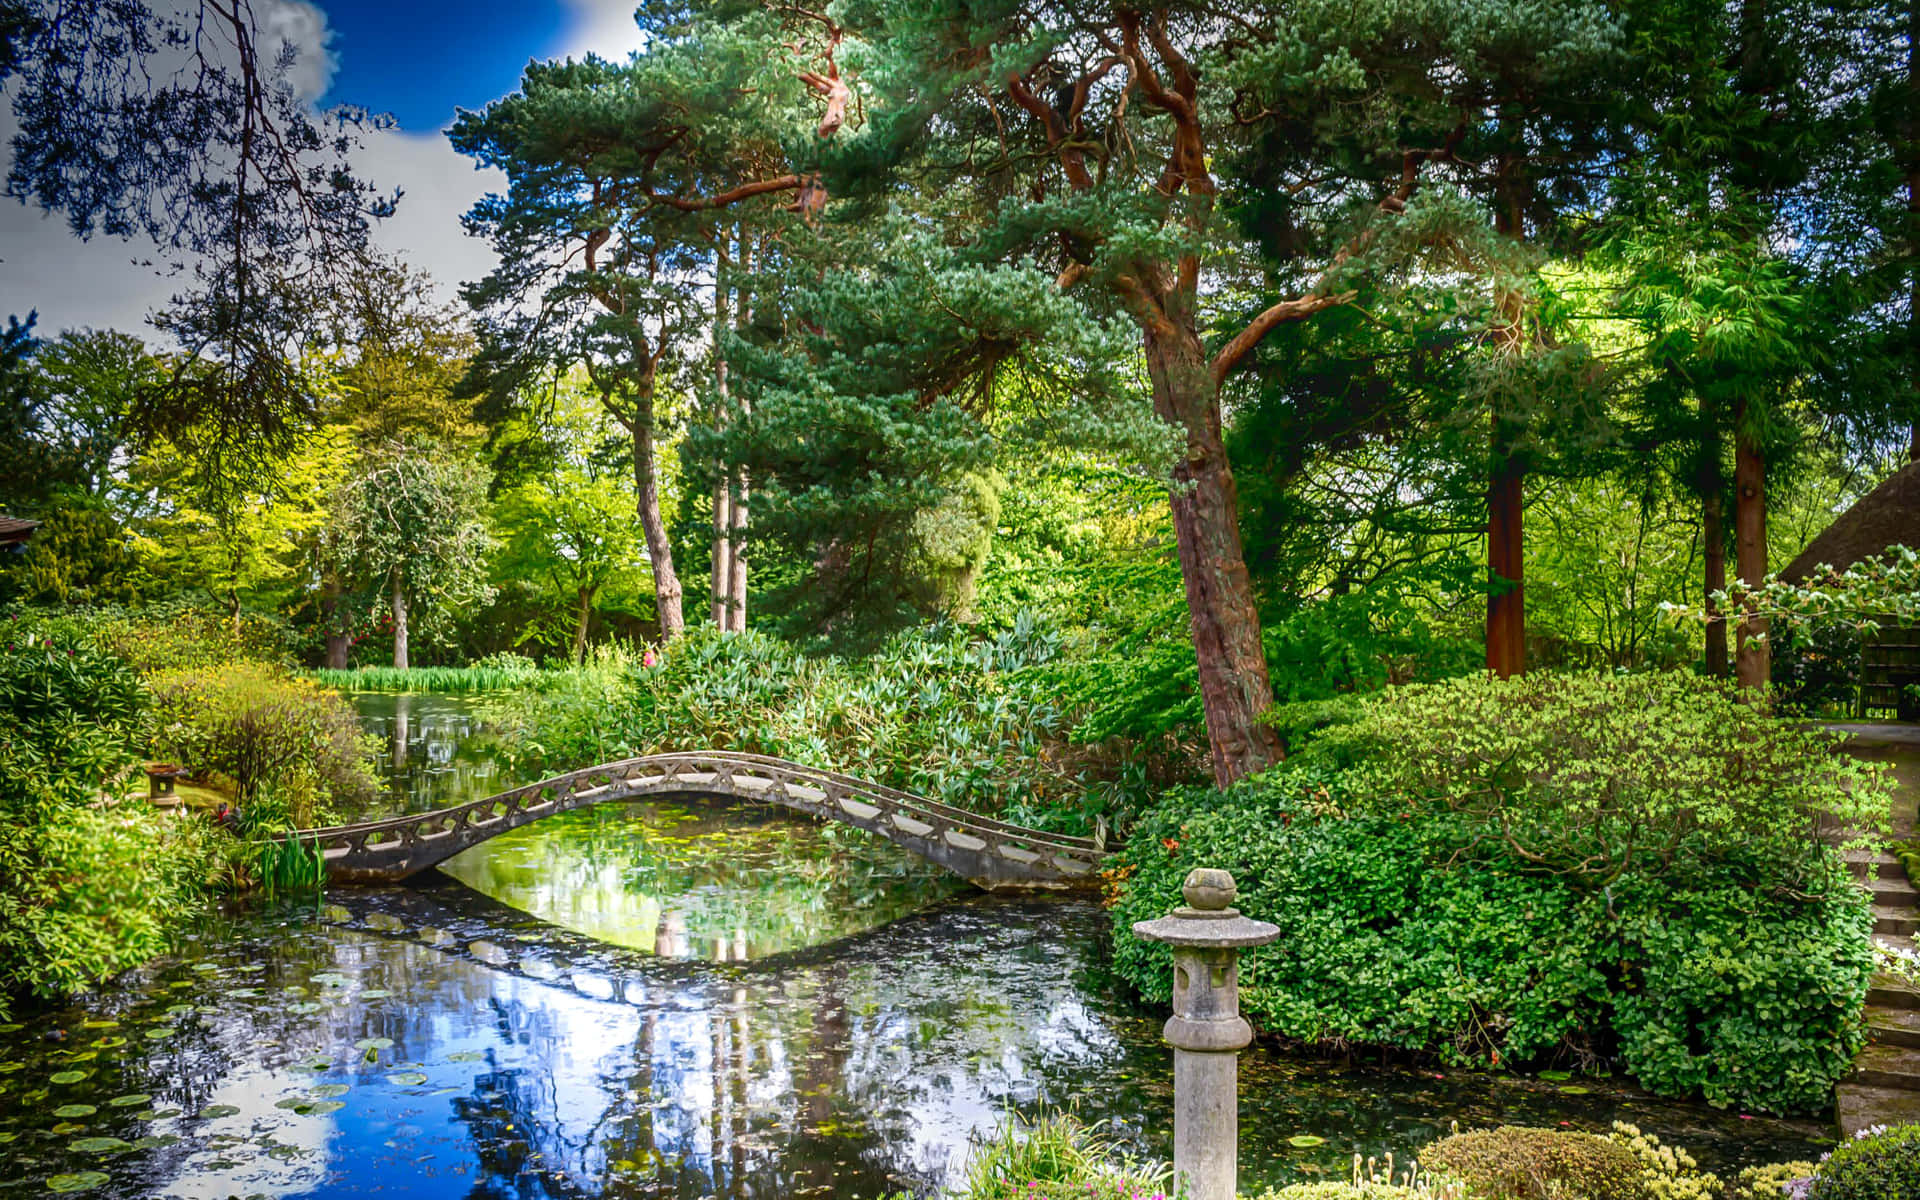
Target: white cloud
x=603 y=27
x=110 y=283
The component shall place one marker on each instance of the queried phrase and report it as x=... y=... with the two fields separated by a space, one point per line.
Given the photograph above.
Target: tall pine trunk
x=1507 y=475
x=1234 y=688
x=1753 y=658
x=399 y=623
x=1506 y=568
x=646 y=488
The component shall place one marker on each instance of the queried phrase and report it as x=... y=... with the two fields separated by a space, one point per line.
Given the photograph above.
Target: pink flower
x=649 y=659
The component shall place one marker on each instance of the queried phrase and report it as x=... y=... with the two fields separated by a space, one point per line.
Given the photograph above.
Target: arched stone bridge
x=991 y=854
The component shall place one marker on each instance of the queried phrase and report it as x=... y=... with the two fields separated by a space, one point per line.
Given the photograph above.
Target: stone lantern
x=1206 y=1029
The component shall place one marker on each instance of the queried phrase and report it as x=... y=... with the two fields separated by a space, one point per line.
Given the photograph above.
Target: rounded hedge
x=1518 y=1163
x=1884 y=1165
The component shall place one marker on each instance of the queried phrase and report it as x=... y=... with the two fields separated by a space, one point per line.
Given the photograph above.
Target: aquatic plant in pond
x=433 y=751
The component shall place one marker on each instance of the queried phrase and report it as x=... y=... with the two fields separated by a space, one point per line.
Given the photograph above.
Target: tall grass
x=430 y=679
x=1056 y=1157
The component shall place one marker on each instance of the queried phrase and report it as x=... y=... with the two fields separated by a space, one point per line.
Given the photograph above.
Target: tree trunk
x=1507 y=475
x=736 y=553
x=722 y=551
x=1713 y=546
x=337 y=641
x=666 y=584
x=1752 y=656
x=1506 y=570
x=399 y=624
x=1234 y=688
x=737 y=501
x=580 y=626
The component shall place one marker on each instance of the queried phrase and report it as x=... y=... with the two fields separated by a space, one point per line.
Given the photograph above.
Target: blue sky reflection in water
x=431 y=1043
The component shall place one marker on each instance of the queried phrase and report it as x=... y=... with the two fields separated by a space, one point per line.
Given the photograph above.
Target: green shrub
x=968 y=723
x=1518 y=1163
x=89 y=882
x=1598 y=774
x=1880 y=1164
x=260 y=728
x=1729 y=961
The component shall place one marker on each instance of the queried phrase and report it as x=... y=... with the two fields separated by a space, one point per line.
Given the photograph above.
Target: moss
x=1517 y=1163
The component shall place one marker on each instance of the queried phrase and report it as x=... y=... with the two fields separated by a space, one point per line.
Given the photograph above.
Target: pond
x=432 y=1042
x=432 y=751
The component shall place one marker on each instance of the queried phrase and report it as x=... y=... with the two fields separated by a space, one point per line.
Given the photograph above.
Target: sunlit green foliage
x=1512 y=873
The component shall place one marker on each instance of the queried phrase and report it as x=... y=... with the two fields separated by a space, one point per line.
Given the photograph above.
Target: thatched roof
x=15 y=530
x=1889 y=515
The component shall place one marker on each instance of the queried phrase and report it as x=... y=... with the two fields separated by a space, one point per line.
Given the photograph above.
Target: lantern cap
x=1207 y=921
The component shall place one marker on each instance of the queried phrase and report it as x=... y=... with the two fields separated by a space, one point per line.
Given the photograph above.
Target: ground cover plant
x=1578 y=870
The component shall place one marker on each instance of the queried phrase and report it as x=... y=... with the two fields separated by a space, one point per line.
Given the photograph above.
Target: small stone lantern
x=1206 y=1029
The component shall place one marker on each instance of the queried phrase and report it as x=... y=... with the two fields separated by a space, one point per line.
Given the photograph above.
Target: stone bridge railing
x=991 y=854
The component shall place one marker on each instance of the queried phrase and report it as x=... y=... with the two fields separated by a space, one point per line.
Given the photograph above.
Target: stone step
x=1897 y=892
x=1896 y=1068
x=1857 y=1106
x=1894 y=1027
x=1859 y=860
x=1896 y=920
x=1890 y=991
x=1895 y=941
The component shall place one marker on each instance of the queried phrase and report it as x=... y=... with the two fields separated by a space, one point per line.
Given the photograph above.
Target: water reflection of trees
x=705 y=879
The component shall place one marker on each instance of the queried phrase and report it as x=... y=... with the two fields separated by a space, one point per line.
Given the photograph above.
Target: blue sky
x=420 y=59
x=417 y=59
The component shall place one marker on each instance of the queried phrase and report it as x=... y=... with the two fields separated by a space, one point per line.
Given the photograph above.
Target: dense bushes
x=259 y=728
x=969 y=723
x=88 y=882
x=1882 y=1165
x=1501 y=873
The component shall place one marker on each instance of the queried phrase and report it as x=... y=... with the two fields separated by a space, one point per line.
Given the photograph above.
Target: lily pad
x=131 y=1100
x=1304 y=1140
x=79 y=1181
x=375 y=994
x=155 y=1141
x=1574 y=1090
x=1556 y=1076
x=303 y=1007
x=216 y=1111
x=98 y=1023
x=108 y=1043
x=205 y=966
x=243 y=993
x=406 y=1079
x=70 y=1112
x=99 y=1145
x=330 y=979
x=327 y=1091
x=66 y=1077
x=374 y=1043
x=161 y=1034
